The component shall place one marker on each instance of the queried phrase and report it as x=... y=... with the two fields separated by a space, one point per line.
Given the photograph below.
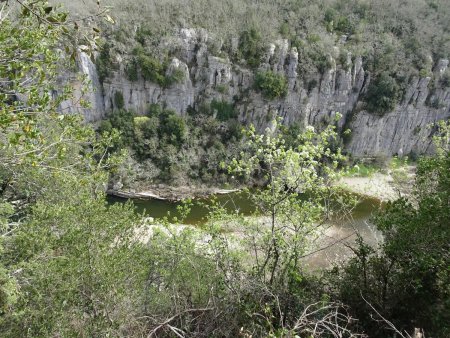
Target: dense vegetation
x=397 y=39
x=72 y=265
x=165 y=147
x=271 y=85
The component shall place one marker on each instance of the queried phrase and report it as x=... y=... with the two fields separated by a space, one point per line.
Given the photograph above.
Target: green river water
x=359 y=222
x=158 y=208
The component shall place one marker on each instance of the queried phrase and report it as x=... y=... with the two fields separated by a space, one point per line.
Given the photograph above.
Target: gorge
x=341 y=88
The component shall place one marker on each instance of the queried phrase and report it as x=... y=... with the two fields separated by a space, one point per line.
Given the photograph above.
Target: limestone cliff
x=339 y=89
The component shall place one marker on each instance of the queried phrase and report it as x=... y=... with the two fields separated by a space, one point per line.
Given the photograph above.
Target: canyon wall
x=339 y=89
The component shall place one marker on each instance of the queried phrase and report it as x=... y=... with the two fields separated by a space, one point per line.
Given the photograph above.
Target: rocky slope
x=339 y=89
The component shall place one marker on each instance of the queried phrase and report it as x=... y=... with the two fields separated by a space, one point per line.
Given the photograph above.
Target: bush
x=145 y=128
x=132 y=70
x=444 y=81
x=171 y=126
x=382 y=95
x=225 y=110
x=152 y=69
x=118 y=100
x=121 y=120
x=104 y=62
x=272 y=85
x=251 y=47
x=285 y=30
x=176 y=77
x=345 y=26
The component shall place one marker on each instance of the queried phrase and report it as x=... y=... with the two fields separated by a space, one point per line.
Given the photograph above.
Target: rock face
x=93 y=88
x=339 y=89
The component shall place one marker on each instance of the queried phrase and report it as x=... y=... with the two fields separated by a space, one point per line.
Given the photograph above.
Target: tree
x=272 y=85
x=292 y=208
x=407 y=279
x=72 y=259
x=382 y=94
x=251 y=47
x=51 y=164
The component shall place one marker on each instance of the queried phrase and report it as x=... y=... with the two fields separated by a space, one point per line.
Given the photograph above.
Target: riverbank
x=379 y=186
x=387 y=186
x=165 y=192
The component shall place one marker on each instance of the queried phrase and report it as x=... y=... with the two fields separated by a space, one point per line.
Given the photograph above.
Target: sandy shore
x=378 y=185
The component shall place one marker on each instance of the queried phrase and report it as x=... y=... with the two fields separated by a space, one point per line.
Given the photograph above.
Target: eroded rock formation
x=339 y=89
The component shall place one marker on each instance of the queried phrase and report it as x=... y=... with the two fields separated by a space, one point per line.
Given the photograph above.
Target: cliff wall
x=340 y=88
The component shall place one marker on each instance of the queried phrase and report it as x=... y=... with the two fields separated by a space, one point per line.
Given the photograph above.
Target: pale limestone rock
x=339 y=89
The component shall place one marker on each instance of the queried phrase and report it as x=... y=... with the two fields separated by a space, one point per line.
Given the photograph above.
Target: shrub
x=154 y=109
x=152 y=69
x=345 y=26
x=382 y=95
x=172 y=127
x=225 y=110
x=444 y=81
x=175 y=127
x=271 y=84
x=121 y=120
x=291 y=135
x=104 y=62
x=233 y=132
x=285 y=30
x=132 y=70
x=145 y=128
x=176 y=77
x=119 y=102
x=222 y=88
x=251 y=47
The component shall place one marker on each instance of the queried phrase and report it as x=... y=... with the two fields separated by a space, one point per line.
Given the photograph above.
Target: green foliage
x=224 y=110
x=344 y=25
x=77 y=270
x=142 y=34
x=223 y=88
x=71 y=265
x=118 y=100
x=291 y=134
x=271 y=84
x=312 y=58
x=121 y=120
x=176 y=76
x=382 y=95
x=172 y=127
x=131 y=70
x=30 y=57
x=152 y=69
x=251 y=47
x=407 y=279
x=285 y=30
x=444 y=81
x=104 y=62
x=289 y=173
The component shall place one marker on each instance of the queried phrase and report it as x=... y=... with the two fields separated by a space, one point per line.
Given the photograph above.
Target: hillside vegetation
x=74 y=265
x=398 y=40
x=386 y=32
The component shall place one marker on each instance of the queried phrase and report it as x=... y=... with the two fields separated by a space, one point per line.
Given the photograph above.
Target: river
x=358 y=222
